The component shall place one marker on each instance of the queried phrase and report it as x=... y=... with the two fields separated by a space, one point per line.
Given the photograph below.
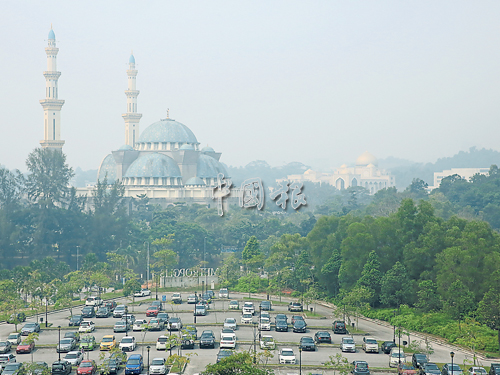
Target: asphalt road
x=245 y=336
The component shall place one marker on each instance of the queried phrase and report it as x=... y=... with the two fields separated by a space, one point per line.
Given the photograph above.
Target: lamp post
x=399 y=345
x=254 y=345
x=205 y=264
x=148 y=347
x=452 y=355
x=126 y=321
x=59 y=351
x=300 y=360
x=394 y=329
x=147 y=272
x=46 y=313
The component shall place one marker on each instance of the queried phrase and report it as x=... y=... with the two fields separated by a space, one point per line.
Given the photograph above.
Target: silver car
x=175 y=324
x=348 y=345
x=74 y=357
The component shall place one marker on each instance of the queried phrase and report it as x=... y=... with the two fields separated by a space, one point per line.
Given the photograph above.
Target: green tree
x=131 y=286
x=32 y=338
x=251 y=255
x=428 y=297
x=488 y=311
x=371 y=277
x=395 y=286
x=236 y=364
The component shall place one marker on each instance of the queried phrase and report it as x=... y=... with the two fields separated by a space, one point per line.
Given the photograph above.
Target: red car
x=24 y=347
x=87 y=367
x=406 y=369
x=152 y=311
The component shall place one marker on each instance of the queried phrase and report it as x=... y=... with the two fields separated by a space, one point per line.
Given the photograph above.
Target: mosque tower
x=131 y=117
x=51 y=105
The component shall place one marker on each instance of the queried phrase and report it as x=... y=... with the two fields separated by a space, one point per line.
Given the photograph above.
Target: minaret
x=51 y=105
x=131 y=117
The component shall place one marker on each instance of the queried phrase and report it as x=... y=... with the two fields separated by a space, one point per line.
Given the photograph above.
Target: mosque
x=164 y=162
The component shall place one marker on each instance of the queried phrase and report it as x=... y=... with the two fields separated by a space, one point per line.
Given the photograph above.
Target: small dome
x=195 y=181
x=208 y=167
x=153 y=165
x=52 y=36
x=366 y=158
x=167 y=130
x=186 y=147
x=370 y=165
x=107 y=169
x=131 y=59
x=207 y=149
x=126 y=147
x=343 y=166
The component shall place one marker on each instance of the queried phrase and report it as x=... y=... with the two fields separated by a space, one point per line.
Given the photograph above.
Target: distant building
x=465 y=173
x=365 y=173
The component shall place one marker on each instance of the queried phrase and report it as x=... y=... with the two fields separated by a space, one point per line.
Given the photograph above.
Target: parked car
x=111 y=305
x=295 y=307
x=13 y=369
x=449 y=369
x=19 y=317
x=207 y=297
x=88 y=312
x=192 y=299
x=224 y=293
x=228 y=340
x=281 y=326
x=128 y=344
x=119 y=311
x=142 y=293
x=347 y=345
x=323 y=337
x=234 y=305
x=61 y=367
x=14 y=338
x=265 y=306
x=247 y=318
x=30 y=328
x=38 y=368
x=207 y=339
x=307 y=343
x=387 y=346
x=174 y=324
x=25 y=347
x=418 y=360
x=200 y=310
x=110 y=366
x=339 y=327
x=477 y=370
x=286 y=356
x=177 y=298
x=192 y=331
x=93 y=301
x=299 y=326
x=66 y=345
x=6 y=358
x=494 y=369
x=406 y=369
x=370 y=345
x=87 y=343
x=360 y=368
x=75 y=320
x=74 y=357
x=135 y=365
x=223 y=354
x=129 y=318
x=72 y=335
x=429 y=368
x=87 y=367
x=152 y=311
x=140 y=325
x=87 y=326
x=265 y=324
x=122 y=326
x=297 y=317
x=267 y=342
x=108 y=342
x=103 y=312
x=162 y=343
x=248 y=308
x=158 y=366
x=156 y=324
x=230 y=323
x=163 y=316
x=187 y=341
x=396 y=357
x=5 y=346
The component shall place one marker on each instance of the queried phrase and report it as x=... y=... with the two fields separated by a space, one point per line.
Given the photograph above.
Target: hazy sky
x=313 y=81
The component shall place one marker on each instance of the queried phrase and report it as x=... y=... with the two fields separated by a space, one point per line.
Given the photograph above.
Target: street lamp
x=452 y=355
x=46 y=313
x=300 y=360
x=126 y=321
x=254 y=345
x=394 y=329
x=148 y=347
x=59 y=351
x=399 y=346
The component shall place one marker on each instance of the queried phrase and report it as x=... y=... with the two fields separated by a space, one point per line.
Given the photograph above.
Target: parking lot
x=212 y=321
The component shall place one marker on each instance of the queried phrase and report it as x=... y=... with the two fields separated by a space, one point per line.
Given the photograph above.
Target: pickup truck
x=370 y=345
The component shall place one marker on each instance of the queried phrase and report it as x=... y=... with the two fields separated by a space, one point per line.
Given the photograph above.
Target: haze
x=313 y=81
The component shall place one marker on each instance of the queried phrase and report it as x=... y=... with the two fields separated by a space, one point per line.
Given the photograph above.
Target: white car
x=265 y=324
x=128 y=344
x=119 y=311
x=74 y=357
x=93 y=301
x=230 y=323
x=370 y=345
x=347 y=345
x=142 y=293
x=397 y=355
x=287 y=357
x=247 y=318
x=267 y=342
x=228 y=340
x=234 y=305
x=162 y=343
x=86 y=326
x=192 y=298
x=158 y=366
x=265 y=314
x=224 y=293
x=249 y=308
x=140 y=325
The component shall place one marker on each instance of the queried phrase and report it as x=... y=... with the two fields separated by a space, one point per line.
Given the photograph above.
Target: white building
x=465 y=173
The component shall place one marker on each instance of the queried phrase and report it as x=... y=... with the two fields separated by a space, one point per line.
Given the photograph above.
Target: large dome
x=107 y=169
x=208 y=167
x=365 y=159
x=153 y=165
x=167 y=131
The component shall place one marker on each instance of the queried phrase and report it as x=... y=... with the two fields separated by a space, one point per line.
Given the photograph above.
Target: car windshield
x=233 y=302
x=371 y=341
x=230 y=320
x=455 y=367
x=71 y=355
x=398 y=355
x=157 y=362
x=85 y=324
x=126 y=340
x=66 y=341
x=86 y=339
x=227 y=338
x=431 y=366
x=287 y=353
x=86 y=364
x=362 y=365
x=13 y=336
x=119 y=324
x=247 y=315
x=29 y=325
x=408 y=367
x=267 y=339
x=3 y=343
x=162 y=339
x=299 y=323
x=174 y=320
x=348 y=341
x=307 y=339
x=133 y=362
x=11 y=366
x=107 y=339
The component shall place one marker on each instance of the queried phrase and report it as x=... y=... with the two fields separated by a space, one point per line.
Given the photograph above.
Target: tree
x=340 y=363
x=47 y=183
x=236 y=364
x=131 y=286
x=428 y=297
x=488 y=311
x=395 y=286
x=371 y=277
x=31 y=339
x=251 y=254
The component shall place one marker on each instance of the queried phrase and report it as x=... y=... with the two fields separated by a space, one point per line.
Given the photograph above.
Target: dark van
x=339 y=327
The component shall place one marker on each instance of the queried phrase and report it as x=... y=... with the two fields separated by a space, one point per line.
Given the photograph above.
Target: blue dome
x=131 y=59
x=167 y=130
x=107 y=169
x=207 y=149
x=209 y=167
x=126 y=147
x=153 y=165
x=52 y=35
x=194 y=181
x=186 y=147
